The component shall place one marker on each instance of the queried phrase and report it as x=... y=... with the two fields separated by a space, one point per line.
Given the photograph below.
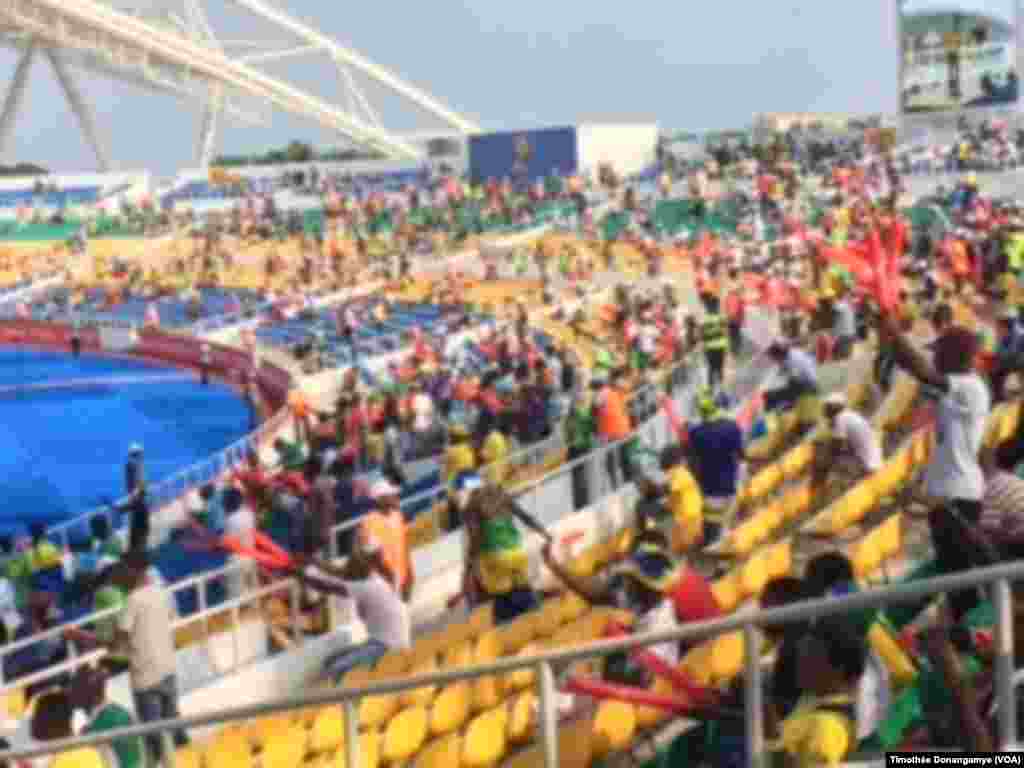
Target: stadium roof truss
x=170 y=46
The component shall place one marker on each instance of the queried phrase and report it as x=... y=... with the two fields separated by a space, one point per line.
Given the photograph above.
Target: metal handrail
x=749 y=623
x=233 y=606
x=160 y=494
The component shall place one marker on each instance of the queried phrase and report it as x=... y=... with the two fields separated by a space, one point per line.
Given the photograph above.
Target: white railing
x=231 y=606
x=998 y=577
x=175 y=487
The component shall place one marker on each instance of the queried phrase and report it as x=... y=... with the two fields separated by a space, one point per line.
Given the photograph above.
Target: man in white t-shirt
x=850 y=434
x=379 y=605
x=953 y=479
x=240 y=524
x=145 y=634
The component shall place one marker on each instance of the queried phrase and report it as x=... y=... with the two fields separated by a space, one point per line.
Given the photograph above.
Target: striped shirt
x=1003 y=506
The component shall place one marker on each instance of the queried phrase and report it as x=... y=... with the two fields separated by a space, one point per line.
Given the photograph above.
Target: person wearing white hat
x=849 y=435
x=134 y=475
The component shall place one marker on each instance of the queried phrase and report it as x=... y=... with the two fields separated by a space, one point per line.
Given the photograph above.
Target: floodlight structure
x=169 y=46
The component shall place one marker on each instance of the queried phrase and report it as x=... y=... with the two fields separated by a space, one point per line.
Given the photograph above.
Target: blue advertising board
x=523 y=155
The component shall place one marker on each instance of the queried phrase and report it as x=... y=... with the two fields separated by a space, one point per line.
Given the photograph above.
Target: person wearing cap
x=88 y=693
x=716 y=448
x=848 y=434
x=134 y=470
x=385 y=530
x=953 y=477
x=640 y=585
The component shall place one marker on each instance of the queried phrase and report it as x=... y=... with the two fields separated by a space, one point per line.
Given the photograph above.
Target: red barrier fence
x=232 y=365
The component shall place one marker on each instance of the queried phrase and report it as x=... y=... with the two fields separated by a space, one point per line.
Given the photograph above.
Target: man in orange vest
x=614 y=426
x=385 y=531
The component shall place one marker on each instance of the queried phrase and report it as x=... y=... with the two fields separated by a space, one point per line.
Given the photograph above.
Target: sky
x=688 y=66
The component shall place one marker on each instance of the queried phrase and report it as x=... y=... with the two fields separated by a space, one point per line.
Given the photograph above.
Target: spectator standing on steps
x=953 y=478
x=145 y=632
x=714 y=331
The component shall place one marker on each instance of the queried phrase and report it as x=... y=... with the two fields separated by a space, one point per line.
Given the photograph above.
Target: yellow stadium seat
x=518 y=679
x=779 y=559
x=797 y=501
x=585 y=564
x=369 y=749
x=890 y=537
x=1010 y=422
x=328 y=731
x=576 y=744
x=796 y=460
x=484 y=743
x=614 y=727
x=743 y=538
x=86 y=757
x=488 y=647
x=392 y=664
x=357 y=677
x=728 y=591
x=445 y=752
x=763 y=448
x=549 y=618
x=287 y=751
x=849 y=509
x=424 y=694
x=697 y=663
x=649 y=717
x=519 y=632
x=867 y=556
x=267 y=729
x=727 y=656
x=230 y=743
x=451 y=708
x=375 y=711
x=754 y=574
x=764 y=482
x=521 y=718
x=405 y=735
x=453 y=635
x=487 y=692
x=572 y=607
x=482 y=618
x=460 y=655
x=188 y=757
x=622 y=543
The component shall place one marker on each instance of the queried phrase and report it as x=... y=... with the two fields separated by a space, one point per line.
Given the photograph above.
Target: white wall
x=628 y=148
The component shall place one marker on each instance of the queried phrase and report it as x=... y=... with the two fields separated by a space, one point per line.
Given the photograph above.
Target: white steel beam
x=287 y=53
x=210 y=124
x=81 y=108
x=357 y=95
x=126 y=32
x=15 y=97
x=350 y=57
